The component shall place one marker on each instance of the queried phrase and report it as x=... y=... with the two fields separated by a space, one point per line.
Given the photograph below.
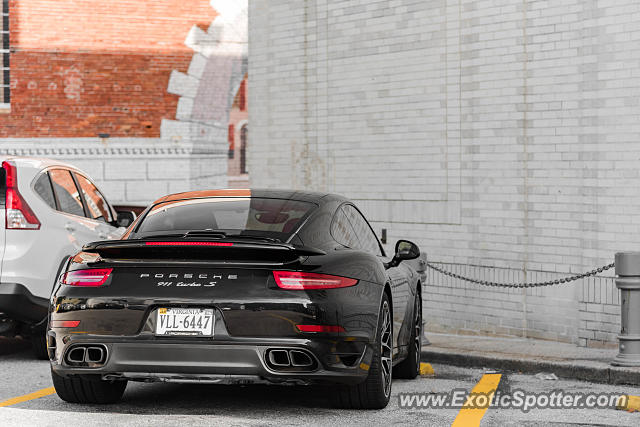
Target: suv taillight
x=18 y=214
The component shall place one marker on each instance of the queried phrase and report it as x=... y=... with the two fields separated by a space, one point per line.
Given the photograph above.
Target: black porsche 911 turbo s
x=238 y=286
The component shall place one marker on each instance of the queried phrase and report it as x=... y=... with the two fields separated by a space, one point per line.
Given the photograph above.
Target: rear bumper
x=238 y=362
x=19 y=304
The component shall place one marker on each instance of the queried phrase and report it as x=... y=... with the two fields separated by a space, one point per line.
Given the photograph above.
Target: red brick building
x=106 y=83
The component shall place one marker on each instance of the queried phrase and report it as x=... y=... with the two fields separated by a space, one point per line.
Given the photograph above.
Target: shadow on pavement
x=252 y=401
x=177 y=399
x=13 y=345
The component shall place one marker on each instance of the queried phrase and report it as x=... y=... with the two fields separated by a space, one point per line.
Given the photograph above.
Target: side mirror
x=405 y=250
x=125 y=218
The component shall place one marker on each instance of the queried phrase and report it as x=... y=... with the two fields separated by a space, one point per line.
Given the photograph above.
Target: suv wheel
x=39 y=344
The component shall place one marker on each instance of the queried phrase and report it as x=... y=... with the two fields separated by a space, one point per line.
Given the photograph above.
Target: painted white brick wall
x=501 y=133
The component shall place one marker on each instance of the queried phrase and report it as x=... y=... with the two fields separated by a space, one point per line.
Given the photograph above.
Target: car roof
x=36 y=162
x=287 y=194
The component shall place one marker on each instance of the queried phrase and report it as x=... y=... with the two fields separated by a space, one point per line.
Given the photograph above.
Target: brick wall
x=137 y=92
x=79 y=68
x=500 y=134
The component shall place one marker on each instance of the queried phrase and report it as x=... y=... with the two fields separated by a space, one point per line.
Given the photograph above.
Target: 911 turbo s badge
x=178 y=283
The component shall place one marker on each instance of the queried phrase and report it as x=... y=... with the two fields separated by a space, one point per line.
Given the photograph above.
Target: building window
x=244 y=134
x=5 y=99
x=232 y=138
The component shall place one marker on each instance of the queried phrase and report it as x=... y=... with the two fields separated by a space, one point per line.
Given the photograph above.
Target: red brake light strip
x=188 y=244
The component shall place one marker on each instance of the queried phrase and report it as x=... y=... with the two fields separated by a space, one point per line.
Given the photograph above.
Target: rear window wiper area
x=161 y=236
x=214 y=234
x=210 y=235
x=251 y=237
x=205 y=234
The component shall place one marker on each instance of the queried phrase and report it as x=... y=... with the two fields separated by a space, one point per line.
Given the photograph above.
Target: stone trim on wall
x=223 y=47
x=132 y=170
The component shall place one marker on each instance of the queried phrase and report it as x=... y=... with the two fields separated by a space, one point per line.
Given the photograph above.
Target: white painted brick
x=182 y=84
x=126 y=169
x=423 y=116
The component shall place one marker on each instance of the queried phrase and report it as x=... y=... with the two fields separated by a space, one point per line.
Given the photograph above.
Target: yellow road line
x=478 y=401
x=426 y=369
x=629 y=403
x=35 y=395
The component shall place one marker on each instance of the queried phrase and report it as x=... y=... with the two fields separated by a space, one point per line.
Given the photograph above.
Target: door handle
x=102 y=235
x=69 y=227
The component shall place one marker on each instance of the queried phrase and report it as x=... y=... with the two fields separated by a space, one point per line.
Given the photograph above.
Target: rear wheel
x=76 y=389
x=375 y=391
x=410 y=367
x=39 y=344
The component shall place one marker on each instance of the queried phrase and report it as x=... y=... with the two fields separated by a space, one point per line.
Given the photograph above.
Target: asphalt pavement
x=179 y=404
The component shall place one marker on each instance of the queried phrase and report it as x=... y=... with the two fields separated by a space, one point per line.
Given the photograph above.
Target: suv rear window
x=277 y=218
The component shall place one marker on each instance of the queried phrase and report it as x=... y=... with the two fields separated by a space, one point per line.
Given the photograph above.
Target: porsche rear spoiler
x=225 y=251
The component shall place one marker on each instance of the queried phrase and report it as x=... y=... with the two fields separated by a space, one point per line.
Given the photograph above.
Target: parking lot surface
x=181 y=404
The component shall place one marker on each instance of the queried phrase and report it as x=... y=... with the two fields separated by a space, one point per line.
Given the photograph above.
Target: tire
x=39 y=345
x=409 y=368
x=76 y=389
x=375 y=391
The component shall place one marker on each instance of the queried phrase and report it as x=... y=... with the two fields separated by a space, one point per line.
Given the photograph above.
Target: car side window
x=98 y=206
x=43 y=188
x=67 y=192
x=368 y=240
x=342 y=231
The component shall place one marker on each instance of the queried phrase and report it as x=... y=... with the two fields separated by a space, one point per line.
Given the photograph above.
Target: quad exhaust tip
x=87 y=355
x=300 y=358
x=284 y=359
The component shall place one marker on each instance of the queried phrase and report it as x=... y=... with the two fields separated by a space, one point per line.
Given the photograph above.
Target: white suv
x=48 y=211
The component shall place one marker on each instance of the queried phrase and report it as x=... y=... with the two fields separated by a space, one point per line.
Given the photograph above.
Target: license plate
x=185 y=321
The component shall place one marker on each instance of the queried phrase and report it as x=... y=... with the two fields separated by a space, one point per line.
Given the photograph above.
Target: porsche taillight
x=300 y=280
x=18 y=214
x=91 y=277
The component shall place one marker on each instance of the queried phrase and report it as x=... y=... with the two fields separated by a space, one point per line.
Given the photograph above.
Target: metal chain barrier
x=522 y=285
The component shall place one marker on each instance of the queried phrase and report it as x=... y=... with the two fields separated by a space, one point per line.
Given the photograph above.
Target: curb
x=597 y=372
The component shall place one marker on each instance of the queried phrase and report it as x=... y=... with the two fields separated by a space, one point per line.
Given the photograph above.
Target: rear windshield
x=277 y=218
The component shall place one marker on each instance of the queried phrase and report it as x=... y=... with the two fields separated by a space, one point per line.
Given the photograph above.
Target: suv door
x=71 y=208
x=53 y=243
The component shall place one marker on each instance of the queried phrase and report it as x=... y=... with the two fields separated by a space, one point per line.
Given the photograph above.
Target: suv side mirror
x=405 y=250
x=125 y=218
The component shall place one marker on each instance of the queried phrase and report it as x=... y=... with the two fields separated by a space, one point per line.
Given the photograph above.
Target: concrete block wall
x=500 y=134
x=133 y=170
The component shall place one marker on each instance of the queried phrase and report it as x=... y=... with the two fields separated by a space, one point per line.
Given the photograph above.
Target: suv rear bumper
x=19 y=304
